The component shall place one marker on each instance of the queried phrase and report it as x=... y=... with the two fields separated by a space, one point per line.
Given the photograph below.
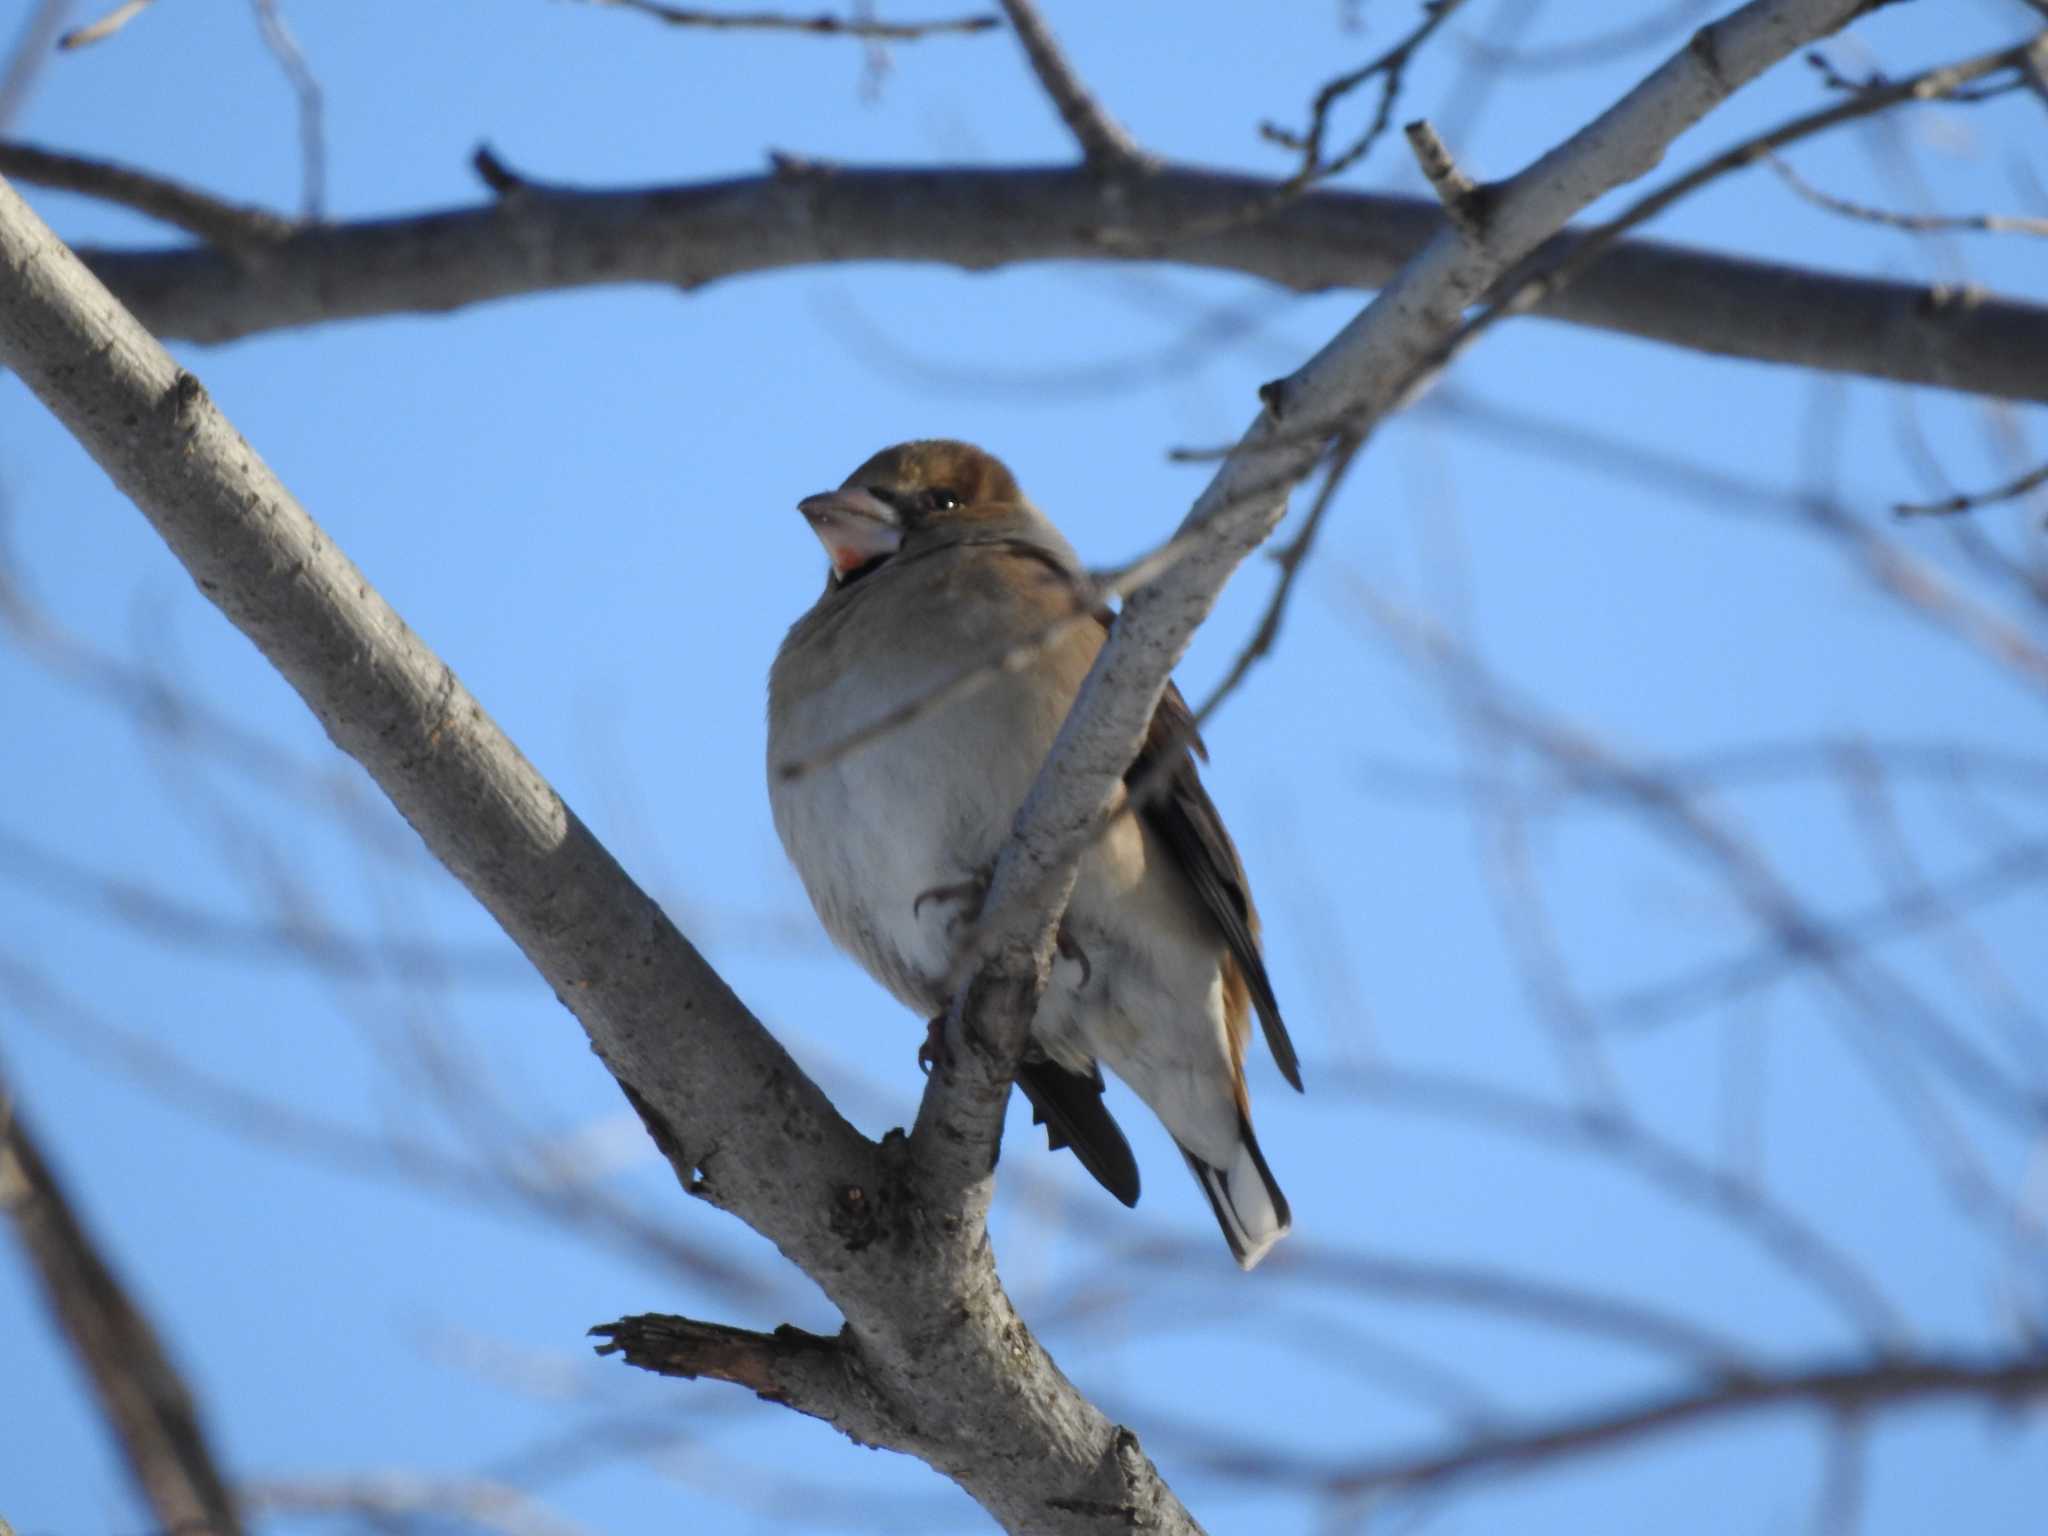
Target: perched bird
x=938 y=562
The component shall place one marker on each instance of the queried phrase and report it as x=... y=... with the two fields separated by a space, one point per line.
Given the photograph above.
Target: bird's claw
x=1067 y=947
x=962 y=890
x=934 y=1051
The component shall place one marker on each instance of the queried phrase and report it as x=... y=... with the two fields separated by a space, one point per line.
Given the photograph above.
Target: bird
x=937 y=562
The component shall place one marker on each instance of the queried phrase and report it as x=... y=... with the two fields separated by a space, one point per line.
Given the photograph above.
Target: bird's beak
x=853 y=525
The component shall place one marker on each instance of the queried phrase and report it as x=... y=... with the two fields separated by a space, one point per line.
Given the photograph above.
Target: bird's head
x=916 y=494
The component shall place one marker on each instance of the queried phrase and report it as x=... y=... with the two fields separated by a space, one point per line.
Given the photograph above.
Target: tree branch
x=739 y=1121
x=235 y=227
x=813 y=1374
x=822 y=25
x=1844 y=1391
x=1343 y=389
x=147 y=1405
x=1105 y=144
x=549 y=239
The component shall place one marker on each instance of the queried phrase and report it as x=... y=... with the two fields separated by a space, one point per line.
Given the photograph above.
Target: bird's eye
x=942 y=500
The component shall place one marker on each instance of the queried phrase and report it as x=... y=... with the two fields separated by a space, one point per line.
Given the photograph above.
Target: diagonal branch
x=235 y=227
x=738 y=1120
x=1360 y=375
x=148 y=1406
x=1105 y=143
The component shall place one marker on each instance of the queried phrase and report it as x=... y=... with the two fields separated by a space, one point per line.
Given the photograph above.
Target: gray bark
x=540 y=239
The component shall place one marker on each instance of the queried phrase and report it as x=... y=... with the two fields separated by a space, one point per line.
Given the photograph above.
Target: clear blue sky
x=584 y=502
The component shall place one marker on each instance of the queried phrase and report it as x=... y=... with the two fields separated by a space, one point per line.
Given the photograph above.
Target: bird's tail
x=1245 y=1197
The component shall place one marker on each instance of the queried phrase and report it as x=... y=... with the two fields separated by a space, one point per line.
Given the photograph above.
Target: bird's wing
x=1184 y=818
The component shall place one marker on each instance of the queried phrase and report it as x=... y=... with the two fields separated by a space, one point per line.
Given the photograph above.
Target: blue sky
x=585 y=503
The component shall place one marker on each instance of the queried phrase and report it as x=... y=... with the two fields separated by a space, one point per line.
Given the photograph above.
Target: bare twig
x=395 y=1503
x=1970 y=501
x=277 y=37
x=821 y=25
x=106 y=26
x=33 y=46
x=1391 y=69
x=1554 y=270
x=1290 y=558
x=237 y=227
x=1915 y=223
x=414 y=1163
x=1861 y=1388
x=144 y=1397
x=1457 y=191
x=1658 y=1161
x=2000 y=875
x=162 y=913
x=1105 y=143
x=1595 y=48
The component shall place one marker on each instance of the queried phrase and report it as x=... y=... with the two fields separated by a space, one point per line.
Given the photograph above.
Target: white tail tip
x=1246 y=1199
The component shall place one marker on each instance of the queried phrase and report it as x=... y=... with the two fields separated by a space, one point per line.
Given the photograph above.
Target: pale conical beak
x=853 y=525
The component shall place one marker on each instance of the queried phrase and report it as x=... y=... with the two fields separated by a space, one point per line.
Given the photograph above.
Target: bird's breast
x=921 y=810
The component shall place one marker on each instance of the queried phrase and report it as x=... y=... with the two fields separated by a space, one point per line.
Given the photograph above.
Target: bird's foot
x=970 y=891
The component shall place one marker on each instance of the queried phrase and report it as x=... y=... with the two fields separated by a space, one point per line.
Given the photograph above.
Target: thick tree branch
x=735 y=1116
x=1364 y=371
x=147 y=1405
x=684 y=236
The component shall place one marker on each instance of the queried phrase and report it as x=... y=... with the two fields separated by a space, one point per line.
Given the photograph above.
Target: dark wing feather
x=1070 y=1108
x=1184 y=818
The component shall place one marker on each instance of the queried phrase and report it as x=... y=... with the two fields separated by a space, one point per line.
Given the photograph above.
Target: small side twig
x=494 y=173
x=1290 y=557
x=1970 y=501
x=1105 y=143
x=106 y=26
x=1550 y=270
x=277 y=37
x=810 y=1372
x=1458 y=192
x=231 y=226
x=1390 y=68
x=34 y=43
x=823 y=25
x=1915 y=223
